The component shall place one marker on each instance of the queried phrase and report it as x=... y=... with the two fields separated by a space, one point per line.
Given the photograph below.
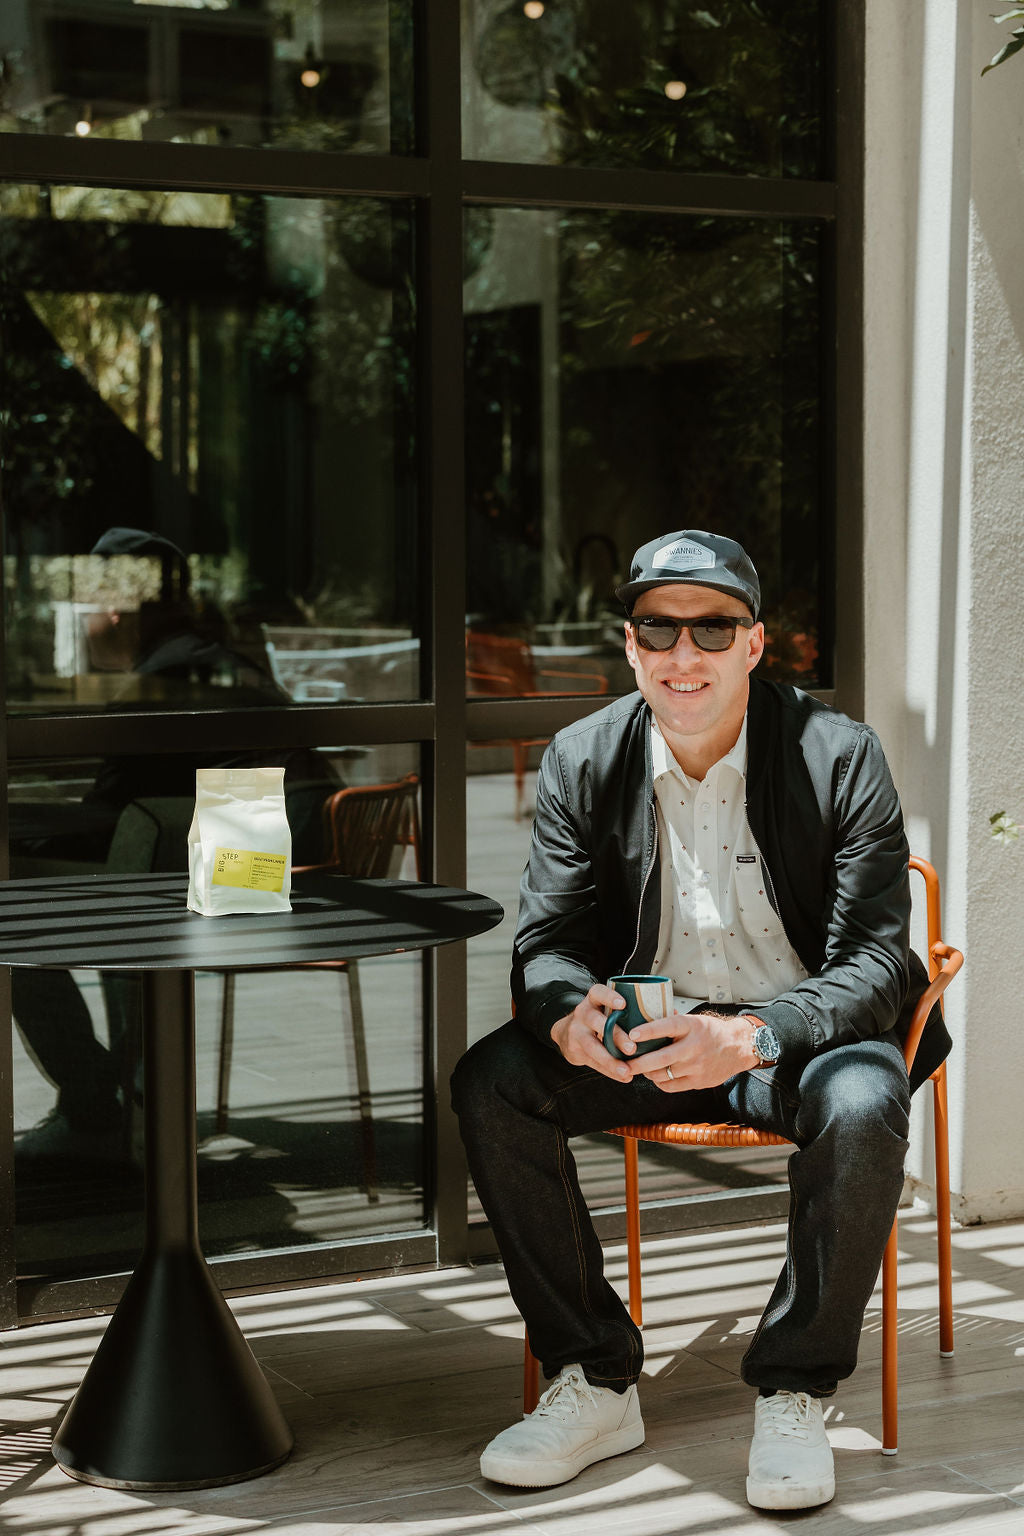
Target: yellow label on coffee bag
x=247 y=870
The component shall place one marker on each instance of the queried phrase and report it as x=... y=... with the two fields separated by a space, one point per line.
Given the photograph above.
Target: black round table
x=173 y=1397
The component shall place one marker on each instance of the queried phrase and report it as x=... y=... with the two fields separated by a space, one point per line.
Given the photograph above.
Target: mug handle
x=609 y=1038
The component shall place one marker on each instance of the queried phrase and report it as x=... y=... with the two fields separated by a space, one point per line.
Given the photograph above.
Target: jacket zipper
x=643 y=890
x=769 y=887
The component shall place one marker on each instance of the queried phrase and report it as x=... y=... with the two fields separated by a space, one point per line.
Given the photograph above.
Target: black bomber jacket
x=826 y=818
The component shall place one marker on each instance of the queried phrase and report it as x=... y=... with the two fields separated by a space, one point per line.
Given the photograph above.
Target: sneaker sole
x=518 y=1474
x=789 y=1495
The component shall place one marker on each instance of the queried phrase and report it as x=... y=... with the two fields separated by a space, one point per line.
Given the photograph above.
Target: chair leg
x=129 y=1067
x=890 y=1360
x=227 y=1041
x=531 y=1377
x=121 y=999
x=636 y=1301
x=943 y=1215
x=355 y=1000
x=519 y=770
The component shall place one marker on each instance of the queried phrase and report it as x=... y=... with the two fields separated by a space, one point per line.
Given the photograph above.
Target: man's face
x=695 y=694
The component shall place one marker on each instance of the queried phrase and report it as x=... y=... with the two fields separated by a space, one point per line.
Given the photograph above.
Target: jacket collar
x=762 y=725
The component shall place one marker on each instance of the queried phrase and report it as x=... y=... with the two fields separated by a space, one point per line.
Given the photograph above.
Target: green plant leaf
x=1015 y=44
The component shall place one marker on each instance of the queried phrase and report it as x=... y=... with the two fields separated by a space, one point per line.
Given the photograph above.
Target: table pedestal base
x=173 y=1397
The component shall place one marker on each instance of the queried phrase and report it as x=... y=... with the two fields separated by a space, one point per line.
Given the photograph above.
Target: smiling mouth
x=686 y=687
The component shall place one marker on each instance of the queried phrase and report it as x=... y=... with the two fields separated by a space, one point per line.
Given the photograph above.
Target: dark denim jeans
x=847 y=1111
x=57 y=1029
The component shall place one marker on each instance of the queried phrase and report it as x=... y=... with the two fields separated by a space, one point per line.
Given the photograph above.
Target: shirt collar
x=663 y=762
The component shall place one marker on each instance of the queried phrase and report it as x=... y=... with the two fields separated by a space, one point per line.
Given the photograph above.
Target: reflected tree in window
x=234 y=372
x=665 y=375
x=732 y=88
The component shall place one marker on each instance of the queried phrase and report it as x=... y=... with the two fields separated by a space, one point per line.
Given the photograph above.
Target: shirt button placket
x=709 y=899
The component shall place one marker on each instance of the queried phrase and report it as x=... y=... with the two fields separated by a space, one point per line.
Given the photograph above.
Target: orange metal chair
x=943 y=964
x=363 y=827
x=500 y=666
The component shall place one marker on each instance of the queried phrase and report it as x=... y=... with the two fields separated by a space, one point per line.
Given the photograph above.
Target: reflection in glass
x=629 y=373
x=310 y=1083
x=296 y=74
x=230 y=378
x=732 y=88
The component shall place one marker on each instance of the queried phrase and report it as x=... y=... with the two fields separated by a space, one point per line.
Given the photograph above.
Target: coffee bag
x=239 y=843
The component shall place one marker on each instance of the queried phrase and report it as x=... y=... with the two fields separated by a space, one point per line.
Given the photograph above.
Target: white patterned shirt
x=721 y=939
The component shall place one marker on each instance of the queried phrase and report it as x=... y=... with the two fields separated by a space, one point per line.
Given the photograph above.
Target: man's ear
x=755 y=645
x=630 y=644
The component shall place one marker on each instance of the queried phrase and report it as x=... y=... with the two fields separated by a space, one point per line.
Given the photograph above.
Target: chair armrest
x=950 y=960
x=499 y=682
x=581 y=677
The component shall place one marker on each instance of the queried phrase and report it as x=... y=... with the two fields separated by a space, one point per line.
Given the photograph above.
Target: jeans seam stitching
x=562 y=1142
x=772 y=1314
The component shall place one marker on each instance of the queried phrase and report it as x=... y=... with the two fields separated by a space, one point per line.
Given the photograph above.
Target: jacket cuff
x=555 y=1006
x=792 y=1028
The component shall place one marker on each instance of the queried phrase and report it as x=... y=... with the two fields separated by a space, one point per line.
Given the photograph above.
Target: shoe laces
x=566 y=1395
x=789 y=1413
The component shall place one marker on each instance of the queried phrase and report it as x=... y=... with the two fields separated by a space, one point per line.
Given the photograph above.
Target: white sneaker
x=574 y=1424
x=790 y=1458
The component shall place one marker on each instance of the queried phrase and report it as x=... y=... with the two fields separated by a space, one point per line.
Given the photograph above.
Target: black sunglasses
x=658 y=632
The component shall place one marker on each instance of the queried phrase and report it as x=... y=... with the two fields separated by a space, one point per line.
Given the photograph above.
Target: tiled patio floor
x=393 y=1385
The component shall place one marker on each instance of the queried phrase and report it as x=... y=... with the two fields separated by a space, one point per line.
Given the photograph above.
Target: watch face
x=766 y=1043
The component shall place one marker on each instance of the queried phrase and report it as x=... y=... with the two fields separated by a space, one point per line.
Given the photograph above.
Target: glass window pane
x=730 y=88
x=208 y=472
x=317 y=1135
x=628 y=374
x=326 y=74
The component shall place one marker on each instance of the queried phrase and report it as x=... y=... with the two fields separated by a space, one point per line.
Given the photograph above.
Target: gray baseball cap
x=697 y=559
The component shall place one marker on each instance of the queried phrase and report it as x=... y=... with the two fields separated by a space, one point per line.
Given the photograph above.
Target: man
x=747 y=842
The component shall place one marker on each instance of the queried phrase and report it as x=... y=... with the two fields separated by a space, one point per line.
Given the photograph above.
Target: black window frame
x=440 y=184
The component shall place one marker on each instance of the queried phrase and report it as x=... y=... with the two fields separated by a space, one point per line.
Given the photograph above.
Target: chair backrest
x=151 y=836
x=364 y=827
x=499 y=665
x=943 y=961
x=934 y=910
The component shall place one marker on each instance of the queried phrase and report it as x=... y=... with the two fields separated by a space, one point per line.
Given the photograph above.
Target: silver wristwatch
x=764 y=1043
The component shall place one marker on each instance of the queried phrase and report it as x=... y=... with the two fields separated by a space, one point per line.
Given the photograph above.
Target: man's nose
x=687 y=641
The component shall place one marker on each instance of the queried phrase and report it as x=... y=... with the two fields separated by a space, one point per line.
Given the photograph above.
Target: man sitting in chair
x=746 y=841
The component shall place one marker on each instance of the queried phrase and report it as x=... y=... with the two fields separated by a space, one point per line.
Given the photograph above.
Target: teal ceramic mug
x=647 y=997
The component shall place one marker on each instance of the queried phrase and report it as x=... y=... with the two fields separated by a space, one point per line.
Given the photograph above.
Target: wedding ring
x=669 y=1071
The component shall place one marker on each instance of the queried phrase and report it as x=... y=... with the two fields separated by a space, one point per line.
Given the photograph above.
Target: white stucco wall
x=944 y=526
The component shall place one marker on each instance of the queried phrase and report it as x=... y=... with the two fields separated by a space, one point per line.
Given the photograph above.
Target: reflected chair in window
x=149 y=836
x=367 y=831
x=502 y=667
x=943 y=964
x=323 y=666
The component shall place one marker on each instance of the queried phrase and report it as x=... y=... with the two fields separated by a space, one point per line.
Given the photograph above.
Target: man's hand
x=580 y=1035
x=706 y=1049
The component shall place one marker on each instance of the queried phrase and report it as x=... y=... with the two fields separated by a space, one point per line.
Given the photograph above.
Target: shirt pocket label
x=757 y=914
